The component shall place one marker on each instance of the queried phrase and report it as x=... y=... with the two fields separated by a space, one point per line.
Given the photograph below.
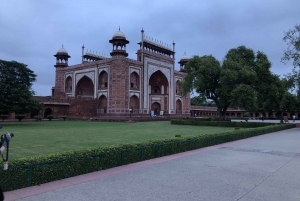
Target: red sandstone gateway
x=104 y=86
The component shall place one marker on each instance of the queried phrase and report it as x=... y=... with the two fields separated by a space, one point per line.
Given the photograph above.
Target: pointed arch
x=102 y=104
x=155 y=107
x=85 y=87
x=134 y=103
x=68 y=85
x=178 y=107
x=159 y=83
x=103 y=80
x=134 y=81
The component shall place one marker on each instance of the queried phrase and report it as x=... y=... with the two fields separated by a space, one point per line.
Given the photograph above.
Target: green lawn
x=38 y=138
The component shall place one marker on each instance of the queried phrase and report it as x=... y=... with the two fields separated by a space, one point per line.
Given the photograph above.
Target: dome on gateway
x=119 y=34
x=184 y=57
x=62 y=50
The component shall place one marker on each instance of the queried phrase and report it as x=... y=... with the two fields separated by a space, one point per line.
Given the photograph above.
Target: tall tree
x=15 y=87
x=244 y=80
x=292 y=38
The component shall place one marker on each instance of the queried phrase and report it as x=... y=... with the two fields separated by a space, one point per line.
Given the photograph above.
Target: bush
x=37 y=170
x=20 y=117
x=247 y=114
x=38 y=118
x=64 y=117
x=197 y=122
x=3 y=117
x=49 y=117
x=177 y=135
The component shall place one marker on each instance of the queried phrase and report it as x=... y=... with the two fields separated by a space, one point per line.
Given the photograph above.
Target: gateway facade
x=117 y=85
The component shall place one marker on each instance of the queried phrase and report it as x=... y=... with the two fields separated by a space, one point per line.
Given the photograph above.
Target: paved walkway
x=260 y=168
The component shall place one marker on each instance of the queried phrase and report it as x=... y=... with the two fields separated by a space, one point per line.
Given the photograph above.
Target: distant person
x=294 y=117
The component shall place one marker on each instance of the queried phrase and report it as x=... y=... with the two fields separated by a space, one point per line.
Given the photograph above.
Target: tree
x=292 y=38
x=198 y=100
x=244 y=80
x=15 y=87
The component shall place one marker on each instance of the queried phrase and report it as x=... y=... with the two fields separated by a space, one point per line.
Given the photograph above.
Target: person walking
x=294 y=117
x=3 y=146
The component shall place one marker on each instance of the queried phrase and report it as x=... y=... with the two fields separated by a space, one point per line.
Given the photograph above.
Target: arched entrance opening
x=103 y=80
x=102 y=104
x=68 y=85
x=134 y=104
x=85 y=87
x=178 y=107
x=134 y=81
x=159 y=83
x=48 y=111
x=155 y=107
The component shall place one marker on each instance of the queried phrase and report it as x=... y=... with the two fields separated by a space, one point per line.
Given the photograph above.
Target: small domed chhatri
x=62 y=50
x=119 y=34
x=184 y=57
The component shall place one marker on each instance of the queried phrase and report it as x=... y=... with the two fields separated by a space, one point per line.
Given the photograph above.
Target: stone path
x=260 y=168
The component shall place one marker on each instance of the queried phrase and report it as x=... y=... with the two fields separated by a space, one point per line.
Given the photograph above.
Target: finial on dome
x=119 y=27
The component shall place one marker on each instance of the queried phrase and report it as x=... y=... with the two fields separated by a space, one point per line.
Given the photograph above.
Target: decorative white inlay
x=134 y=94
x=88 y=74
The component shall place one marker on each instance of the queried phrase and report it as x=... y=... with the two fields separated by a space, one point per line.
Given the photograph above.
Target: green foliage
x=50 y=117
x=15 y=87
x=244 y=80
x=292 y=38
x=247 y=114
x=37 y=170
x=38 y=118
x=64 y=117
x=20 y=117
x=177 y=135
x=3 y=117
x=196 y=122
x=198 y=101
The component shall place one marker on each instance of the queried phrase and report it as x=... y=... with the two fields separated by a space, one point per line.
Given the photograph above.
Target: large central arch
x=85 y=87
x=159 y=83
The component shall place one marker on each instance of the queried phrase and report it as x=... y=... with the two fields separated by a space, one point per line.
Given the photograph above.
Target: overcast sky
x=31 y=31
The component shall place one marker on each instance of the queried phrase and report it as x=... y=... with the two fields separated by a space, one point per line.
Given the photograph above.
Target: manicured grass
x=39 y=138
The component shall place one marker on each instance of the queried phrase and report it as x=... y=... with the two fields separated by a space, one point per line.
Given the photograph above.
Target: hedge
x=197 y=122
x=37 y=170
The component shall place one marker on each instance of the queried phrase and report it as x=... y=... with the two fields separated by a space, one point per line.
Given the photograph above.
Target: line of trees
x=243 y=79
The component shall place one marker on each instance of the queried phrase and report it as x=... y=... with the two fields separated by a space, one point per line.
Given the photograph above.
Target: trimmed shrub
x=38 y=118
x=196 y=122
x=64 y=117
x=50 y=117
x=37 y=170
x=20 y=117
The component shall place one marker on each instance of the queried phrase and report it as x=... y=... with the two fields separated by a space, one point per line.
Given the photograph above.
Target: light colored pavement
x=260 y=168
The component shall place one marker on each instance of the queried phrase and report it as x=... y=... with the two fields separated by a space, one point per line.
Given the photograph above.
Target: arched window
x=68 y=85
x=134 y=81
x=103 y=80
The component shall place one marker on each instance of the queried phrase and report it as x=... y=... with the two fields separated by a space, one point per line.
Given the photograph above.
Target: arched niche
x=156 y=108
x=68 y=85
x=159 y=83
x=134 y=81
x=85 y=87
x=102 y=104
x=178 y=107
x=103 y=80
x=134 y=103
